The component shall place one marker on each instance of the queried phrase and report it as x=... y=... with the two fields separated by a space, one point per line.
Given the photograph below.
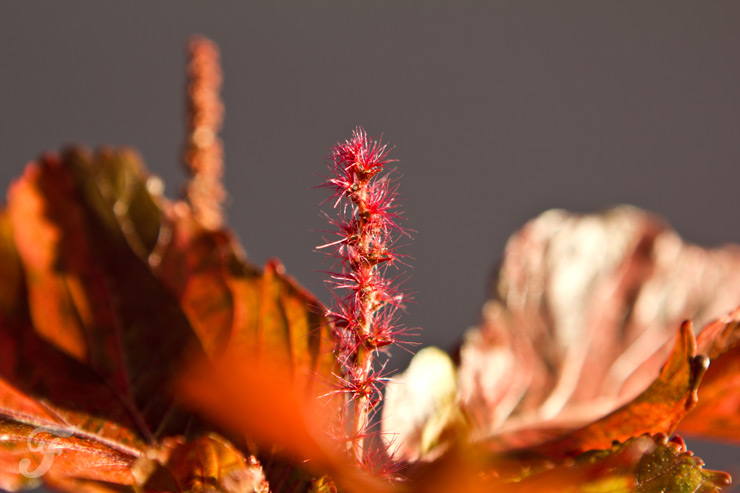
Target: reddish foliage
x=97 y=330
x=140 y=351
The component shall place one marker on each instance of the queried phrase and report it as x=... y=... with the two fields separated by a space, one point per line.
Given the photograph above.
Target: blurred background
x=497 y=111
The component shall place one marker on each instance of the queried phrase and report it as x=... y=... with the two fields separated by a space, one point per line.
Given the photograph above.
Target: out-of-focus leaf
x=208 y=463
x=194 y=267
x=133 y=196
x=230 y=303
x=582 y=315
x=106 y=288
x=323 y=485
x=657 y=410
x=255 y=317
x=90 y=295
x=13 y=307
x=261 y=399
x=290 y=330
x=420 y=410
x=717 y=414
x=90 y=357
x=645 y=464
x=256 y=398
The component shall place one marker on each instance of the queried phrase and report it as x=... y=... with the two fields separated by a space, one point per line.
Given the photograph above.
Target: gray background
x=498 y=110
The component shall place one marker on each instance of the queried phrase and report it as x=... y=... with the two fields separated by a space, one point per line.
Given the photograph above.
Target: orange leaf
x=717 y=413
x=643 y=464
x=656 y=410
x=231 y=304
x=261 y=399
x=63 y=457
x=90 y=295
x=107 y=289
x=207 y=462
x=255 y=397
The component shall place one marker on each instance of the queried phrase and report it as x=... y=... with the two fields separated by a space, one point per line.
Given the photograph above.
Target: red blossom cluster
x=366 y=300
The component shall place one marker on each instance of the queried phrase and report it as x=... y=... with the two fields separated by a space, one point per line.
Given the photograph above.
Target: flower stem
x=364 y=316
x=361 y=421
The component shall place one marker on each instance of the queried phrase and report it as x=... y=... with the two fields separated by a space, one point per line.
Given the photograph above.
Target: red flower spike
x=365 y=298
